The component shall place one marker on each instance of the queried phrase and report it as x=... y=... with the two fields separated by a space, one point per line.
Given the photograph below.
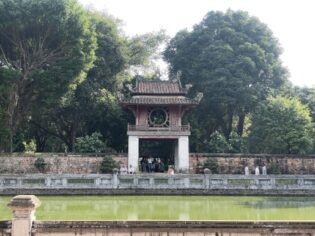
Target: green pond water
x=170 y=208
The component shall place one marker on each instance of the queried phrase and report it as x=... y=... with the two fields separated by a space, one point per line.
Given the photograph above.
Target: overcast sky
x=292 y=22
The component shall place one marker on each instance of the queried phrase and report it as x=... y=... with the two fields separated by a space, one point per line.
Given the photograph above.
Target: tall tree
x=233 y=59
x=281 y=125
x=8 y=77
x=83 y=104
x=144 y=52
x=93 y=105
x=49 y=44
x=116 y=56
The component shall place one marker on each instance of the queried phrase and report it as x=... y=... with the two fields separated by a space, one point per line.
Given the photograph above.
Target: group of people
x=147 y=165
x=156 y=166
x=150 y=164
x=257 y=170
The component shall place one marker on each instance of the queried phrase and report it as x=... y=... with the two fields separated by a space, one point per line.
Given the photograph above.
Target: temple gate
x=158 y=107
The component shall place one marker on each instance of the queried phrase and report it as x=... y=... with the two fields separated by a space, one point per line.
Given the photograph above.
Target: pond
x=170 y=208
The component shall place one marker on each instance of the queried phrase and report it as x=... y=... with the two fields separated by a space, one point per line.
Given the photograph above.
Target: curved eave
x=160 y=100
x=158 y=94
x=129 y=103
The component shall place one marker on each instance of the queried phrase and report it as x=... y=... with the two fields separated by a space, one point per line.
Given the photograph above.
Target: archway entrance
x=158 y=107
x=156 y=155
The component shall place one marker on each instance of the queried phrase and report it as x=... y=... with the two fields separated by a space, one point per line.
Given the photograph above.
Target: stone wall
x=235 y=163
x=176 y=228
x=228 y=163
x=56 y=164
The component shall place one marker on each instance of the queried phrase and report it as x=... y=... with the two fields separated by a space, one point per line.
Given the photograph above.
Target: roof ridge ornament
x=188 y=87
x=176 y=78
x=130 y=88
x=198 y=97
x=121 y=96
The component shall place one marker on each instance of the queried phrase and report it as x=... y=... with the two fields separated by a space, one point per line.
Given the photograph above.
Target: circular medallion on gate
x=158 y=117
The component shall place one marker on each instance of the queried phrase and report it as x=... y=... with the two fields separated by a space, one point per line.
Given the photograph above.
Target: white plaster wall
x=176 y=155
x=133 y=151
x=183 y=153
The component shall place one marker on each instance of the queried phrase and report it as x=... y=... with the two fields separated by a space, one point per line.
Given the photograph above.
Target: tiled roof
x=158 y=87
x=158 y=100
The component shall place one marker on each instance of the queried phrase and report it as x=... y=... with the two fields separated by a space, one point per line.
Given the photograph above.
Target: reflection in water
x=171 y=208
x=280 y=202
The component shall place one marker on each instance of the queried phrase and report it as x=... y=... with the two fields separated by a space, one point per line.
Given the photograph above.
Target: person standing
x=123 y=170
x=264 y=170
x=170 y=170
x=246 y=170
x=150 y=168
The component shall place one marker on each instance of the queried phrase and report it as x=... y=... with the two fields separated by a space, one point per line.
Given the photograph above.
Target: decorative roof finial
x=178 y=75
x=120 y=96
x=129 y=87
x=198 y=97
x=188 y=86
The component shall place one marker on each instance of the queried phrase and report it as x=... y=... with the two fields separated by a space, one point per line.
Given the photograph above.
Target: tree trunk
x=240 y=125
x=11 y=140
x=12 y=104
x=12 y=110
x=40 y=142
x=228 y=124
x=73 y=136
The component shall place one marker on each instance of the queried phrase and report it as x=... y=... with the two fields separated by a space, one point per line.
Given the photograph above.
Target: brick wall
x=74 y=164
x=228 y=163
x=235 y=163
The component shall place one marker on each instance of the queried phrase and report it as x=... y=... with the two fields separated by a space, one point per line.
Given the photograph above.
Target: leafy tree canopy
x=92 y=105
x=233 y=59
x=307 y=97
x=281 y=125
x=89 y=144
x=50 y=44
x=144 y=51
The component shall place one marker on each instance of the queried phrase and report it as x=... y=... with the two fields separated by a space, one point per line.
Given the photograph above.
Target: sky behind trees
x=290 y=21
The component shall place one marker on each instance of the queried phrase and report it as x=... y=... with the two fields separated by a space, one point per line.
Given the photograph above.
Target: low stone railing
x=226 y=183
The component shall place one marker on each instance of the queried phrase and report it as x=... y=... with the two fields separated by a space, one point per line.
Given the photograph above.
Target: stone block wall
x=235 y=163
x=175 y=228
x=228 y=163
x=74 y=164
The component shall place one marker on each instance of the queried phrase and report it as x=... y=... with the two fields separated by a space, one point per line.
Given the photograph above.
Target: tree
x=49 y=44
x=233 y=59
x=90 y=144
x=307 y=97
x=281 y=125
x=97 y=94
x=218 y=143
x=68 y=119
x=108 y=165
x=212 y=165
x=144 y=51
x=7 y=79
x=40 y=164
